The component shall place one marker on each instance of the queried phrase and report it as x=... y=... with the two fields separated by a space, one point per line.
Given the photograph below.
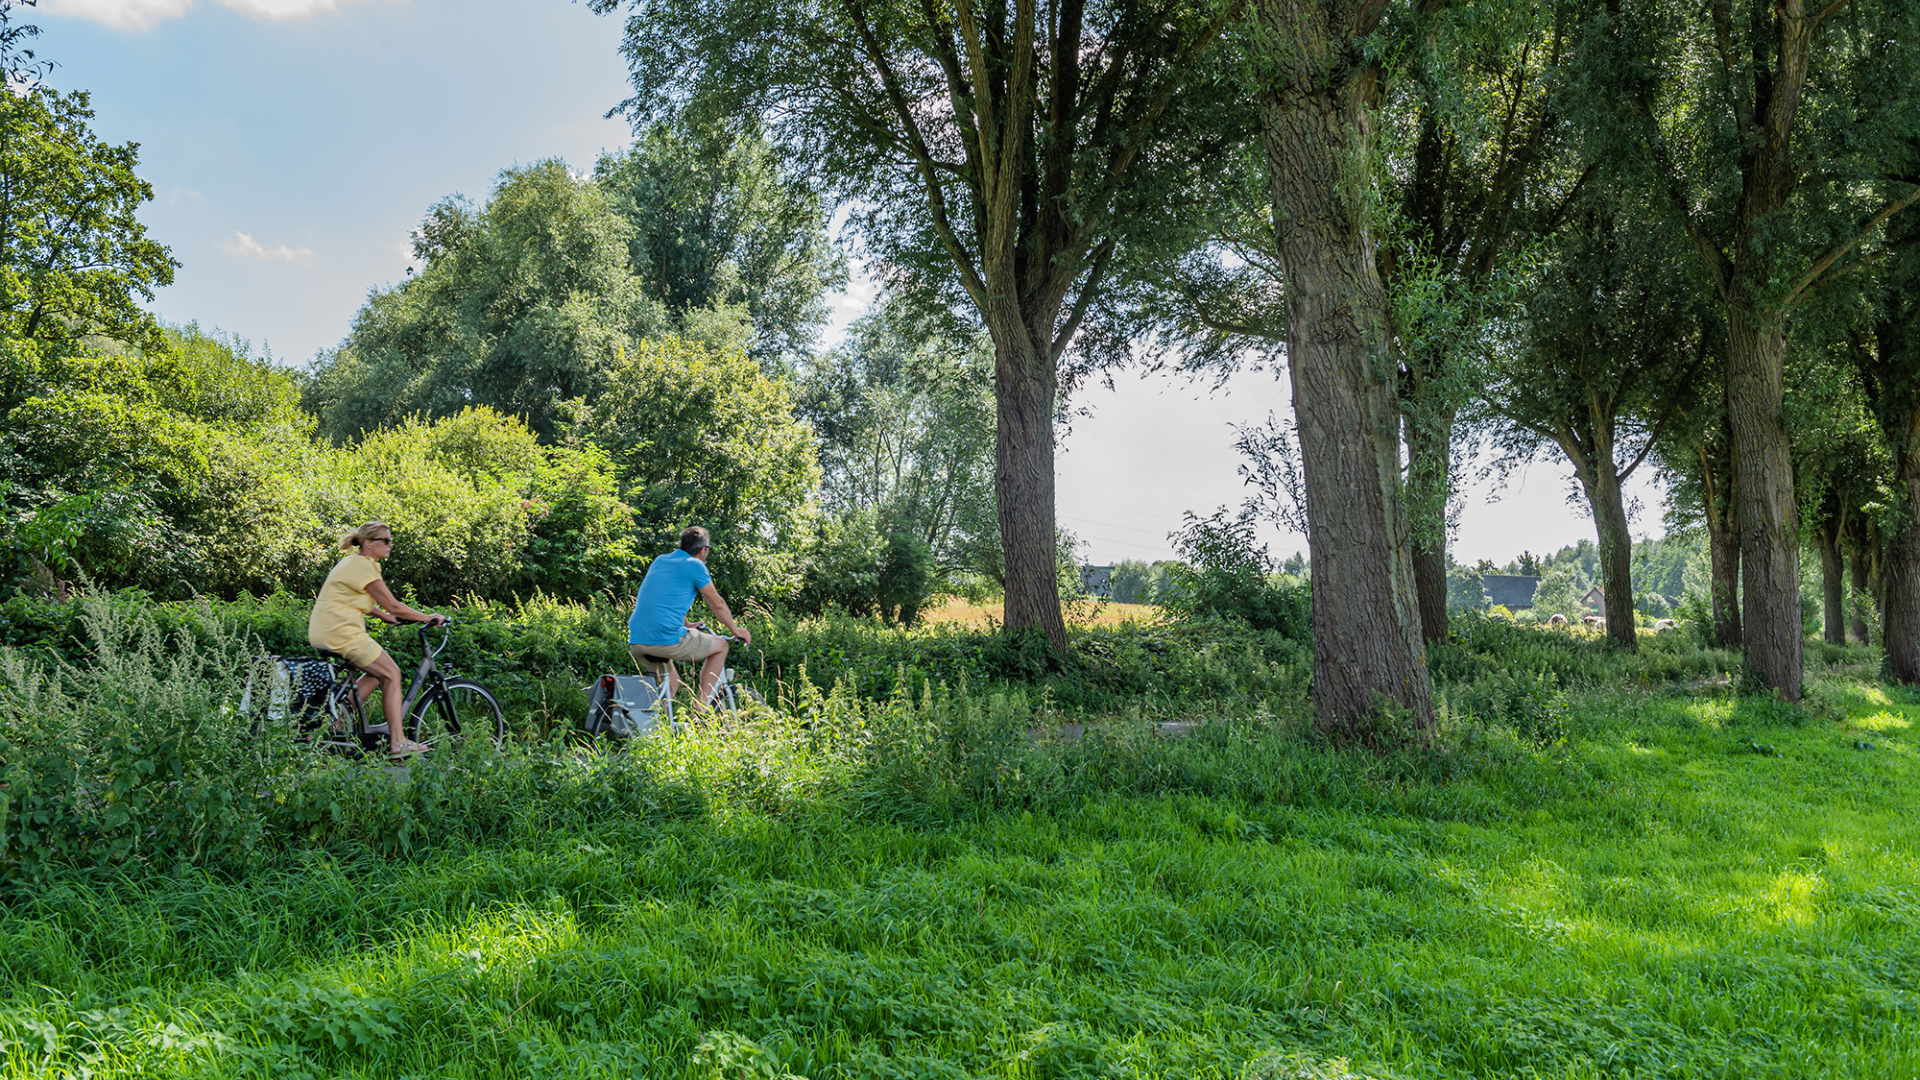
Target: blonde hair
x=353 y=540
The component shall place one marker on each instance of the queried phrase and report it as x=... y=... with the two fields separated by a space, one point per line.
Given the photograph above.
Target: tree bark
x=1723 y=546
x=1316 y=121
x=1862 y=587
x=1430 y=469
x=1900 y=574
x=1746 y=279
x=1764 y=495
x=1616 y=548
x=1025 y=385
x=1833 y=584
x=1723 y=553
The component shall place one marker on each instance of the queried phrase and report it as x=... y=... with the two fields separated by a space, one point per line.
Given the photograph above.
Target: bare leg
x=392 y=702
x=710 y=670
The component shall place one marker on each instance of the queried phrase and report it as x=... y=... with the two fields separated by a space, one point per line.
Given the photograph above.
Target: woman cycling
x=353 y=590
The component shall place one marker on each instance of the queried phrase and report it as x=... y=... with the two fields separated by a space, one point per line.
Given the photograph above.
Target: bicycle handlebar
x=423 y=625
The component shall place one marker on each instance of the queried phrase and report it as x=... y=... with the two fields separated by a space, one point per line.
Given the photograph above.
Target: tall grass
x=1605 y=866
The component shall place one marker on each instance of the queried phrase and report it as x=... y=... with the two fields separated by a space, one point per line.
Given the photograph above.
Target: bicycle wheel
x=456 y=709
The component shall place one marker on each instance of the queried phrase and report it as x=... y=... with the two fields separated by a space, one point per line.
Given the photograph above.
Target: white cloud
x=119 y=14
x=244 y=246
x=142 y=14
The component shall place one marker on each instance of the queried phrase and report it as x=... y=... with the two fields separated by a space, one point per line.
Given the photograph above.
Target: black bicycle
x=441 y=708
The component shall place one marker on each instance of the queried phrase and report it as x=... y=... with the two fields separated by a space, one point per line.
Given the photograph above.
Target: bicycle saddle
x=329 y=654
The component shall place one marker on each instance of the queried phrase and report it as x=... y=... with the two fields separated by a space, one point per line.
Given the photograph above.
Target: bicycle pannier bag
x=622 y=706
x=283 y=686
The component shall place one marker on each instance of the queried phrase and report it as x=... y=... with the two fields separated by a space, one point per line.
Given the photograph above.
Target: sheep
x=1500 y=616
x=1664 y=625
x=1594 y=622
x=1557 y=620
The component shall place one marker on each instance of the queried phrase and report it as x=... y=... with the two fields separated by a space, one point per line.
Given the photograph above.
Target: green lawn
x=1692 y=885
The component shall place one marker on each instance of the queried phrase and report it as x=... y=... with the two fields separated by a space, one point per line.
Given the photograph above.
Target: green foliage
x=1465 y=590
x=180 y=468
x=1130 y=582
x=1559 y=593
x=718 y=221
x=137 y=758
x=74 y=258
x=703 y=437
x=1227 y=574
x=479 y=507
x=905 y=417
x=521 y=306
x=855 y=566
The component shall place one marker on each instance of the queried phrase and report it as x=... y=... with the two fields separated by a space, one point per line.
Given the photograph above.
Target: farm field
x=1079 y=613
x=1671 y=880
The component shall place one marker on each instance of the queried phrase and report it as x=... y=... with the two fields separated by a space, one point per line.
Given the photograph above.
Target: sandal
x=407 y=749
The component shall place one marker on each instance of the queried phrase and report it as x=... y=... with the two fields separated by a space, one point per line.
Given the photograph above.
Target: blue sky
x=291 y=157
x=294 y=144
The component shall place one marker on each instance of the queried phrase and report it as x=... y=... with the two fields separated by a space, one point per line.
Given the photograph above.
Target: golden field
x=1079 y=613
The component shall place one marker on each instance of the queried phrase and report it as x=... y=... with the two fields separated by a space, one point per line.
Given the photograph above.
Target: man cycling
x=660 y=628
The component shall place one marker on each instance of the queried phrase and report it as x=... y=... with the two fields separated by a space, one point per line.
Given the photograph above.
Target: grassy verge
x=1611 y=867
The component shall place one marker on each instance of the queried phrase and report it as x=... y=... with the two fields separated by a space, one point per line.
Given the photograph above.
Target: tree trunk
x=1723 y=554
x=1430 y=468
x=1900 y=574
x=1616 y=547
x=1833 y=585
x=1723 y=543
x=1862 y=588
x=1025 y=385
x=1763 y=493
x=1316 y=124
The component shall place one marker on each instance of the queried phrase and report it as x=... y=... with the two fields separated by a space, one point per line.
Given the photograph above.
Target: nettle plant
x=139 y=756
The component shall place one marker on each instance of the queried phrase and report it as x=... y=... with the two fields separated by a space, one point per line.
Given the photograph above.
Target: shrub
x=1228 y=575
x=856 y=566
x=137 y=758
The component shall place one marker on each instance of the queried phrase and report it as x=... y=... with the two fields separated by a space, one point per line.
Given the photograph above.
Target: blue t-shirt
x=660 y=610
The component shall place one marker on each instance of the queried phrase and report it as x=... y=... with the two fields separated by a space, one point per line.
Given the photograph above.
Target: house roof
x=1514 y=591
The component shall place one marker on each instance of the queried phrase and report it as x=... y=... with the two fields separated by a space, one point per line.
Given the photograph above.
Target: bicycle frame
x=723 y=685
x=429 y=671
x=346 y=692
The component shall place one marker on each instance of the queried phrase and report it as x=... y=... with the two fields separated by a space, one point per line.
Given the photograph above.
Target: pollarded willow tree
x=1695 y=458
x=1605 y=359
x=1482 y=165
x=1023 y=156
x=1768 y=125
x=520 y=306
x=1889 y=367
x=719 y=224
x=1319 y=89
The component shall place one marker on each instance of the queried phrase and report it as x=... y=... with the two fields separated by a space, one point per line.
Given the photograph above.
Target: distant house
x=1596 y=598
x=1512 y=591
x=1098 y=580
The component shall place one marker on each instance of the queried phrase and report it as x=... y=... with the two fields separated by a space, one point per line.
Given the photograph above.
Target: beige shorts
x=693 y=645
x=360 y=649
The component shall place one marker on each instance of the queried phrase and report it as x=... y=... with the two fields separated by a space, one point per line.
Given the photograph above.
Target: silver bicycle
x=727 y=693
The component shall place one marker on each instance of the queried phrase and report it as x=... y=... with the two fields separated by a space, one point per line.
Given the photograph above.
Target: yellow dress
x=339 y=620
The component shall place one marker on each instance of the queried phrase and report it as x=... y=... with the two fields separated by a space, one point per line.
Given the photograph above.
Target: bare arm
x=392 y=610
x=720 y=611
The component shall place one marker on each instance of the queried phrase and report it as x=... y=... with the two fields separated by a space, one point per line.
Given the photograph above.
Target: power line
x=1126 y=528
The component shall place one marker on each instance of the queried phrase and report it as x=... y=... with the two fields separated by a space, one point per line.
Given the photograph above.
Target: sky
x=293 y=145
